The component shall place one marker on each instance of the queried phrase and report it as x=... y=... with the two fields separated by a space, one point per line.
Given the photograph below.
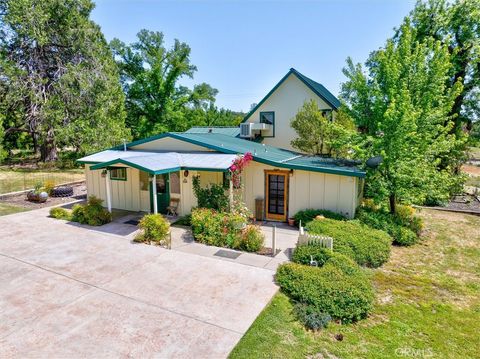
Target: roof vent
x=210 y=130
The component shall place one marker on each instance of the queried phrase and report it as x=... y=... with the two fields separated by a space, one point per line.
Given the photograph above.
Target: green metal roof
x=262 y=153
x=320 y=90
x=224 y=130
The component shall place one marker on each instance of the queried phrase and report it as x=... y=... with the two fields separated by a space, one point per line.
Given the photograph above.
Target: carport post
x=154 y=194
x=109 y=195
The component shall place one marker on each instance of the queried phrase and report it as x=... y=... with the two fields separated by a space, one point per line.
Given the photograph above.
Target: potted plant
x=291 y=222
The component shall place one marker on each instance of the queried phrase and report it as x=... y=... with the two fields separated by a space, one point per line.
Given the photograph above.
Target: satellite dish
x=374 y=162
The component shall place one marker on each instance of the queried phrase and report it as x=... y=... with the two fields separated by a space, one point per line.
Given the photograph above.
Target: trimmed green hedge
x=340 y=288
x=368 y=247
x=303 y=254
x=308 y=215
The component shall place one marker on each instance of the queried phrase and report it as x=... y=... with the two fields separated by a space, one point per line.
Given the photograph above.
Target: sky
x=243 y=48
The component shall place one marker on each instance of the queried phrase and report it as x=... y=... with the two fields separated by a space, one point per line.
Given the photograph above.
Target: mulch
x=20 y=199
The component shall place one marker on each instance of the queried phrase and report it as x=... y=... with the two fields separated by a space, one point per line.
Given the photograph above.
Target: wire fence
x=14 y=181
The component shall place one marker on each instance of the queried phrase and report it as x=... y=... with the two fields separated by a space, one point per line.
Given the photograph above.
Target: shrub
x=400 y=226
x=60 y=213
x=251 y=239
x=153 y=227
x=92 y=213
x=303 y=254
x=309 y=215
x=78 y=213
x=212 y=196
x=367 y=246
x=404 y=236
x=214 y=228
x=340 y=289
x=310 y=317
x=49 y=186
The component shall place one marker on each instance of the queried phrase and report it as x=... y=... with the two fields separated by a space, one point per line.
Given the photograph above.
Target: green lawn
x=428 y=305
x=9 y=209
x=18 y=180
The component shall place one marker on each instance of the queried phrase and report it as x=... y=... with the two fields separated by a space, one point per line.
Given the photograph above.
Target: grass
x=474 y=152
x=428 y=305
x=9 y=209
x=12 y=180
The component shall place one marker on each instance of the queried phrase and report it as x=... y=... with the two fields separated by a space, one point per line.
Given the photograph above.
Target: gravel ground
x=465 y=202
x=20 y=200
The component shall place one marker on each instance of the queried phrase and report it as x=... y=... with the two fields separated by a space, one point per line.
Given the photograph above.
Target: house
x=145 y=175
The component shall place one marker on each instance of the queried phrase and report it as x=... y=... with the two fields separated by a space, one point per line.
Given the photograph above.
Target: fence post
x=274 y=240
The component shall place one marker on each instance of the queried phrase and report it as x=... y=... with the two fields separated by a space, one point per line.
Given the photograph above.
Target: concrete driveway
x=70 y=291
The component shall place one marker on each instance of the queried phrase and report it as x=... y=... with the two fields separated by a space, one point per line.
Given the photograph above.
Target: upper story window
x=328 y=114
x=267 y=117
x=118 y=173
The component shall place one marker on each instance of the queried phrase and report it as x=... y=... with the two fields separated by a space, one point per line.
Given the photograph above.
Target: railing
x=306 y=238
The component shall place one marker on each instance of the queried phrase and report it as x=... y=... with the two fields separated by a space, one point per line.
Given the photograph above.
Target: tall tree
x=403 y=105
x=58 y=80
x=456 y=24
x=150 y=75
x=318 y=135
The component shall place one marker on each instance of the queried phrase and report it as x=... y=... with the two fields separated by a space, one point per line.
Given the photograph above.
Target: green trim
x=302 y=78
x=117 y=178
x=205 y=169
x=273 y=124
x=102 y=165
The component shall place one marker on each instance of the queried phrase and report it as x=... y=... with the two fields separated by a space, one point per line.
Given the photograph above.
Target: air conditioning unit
x=246 y=130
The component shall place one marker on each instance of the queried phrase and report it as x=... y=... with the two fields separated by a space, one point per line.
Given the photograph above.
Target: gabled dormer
x=270 y=118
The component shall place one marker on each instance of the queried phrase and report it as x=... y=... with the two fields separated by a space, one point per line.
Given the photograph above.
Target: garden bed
x=20 y=199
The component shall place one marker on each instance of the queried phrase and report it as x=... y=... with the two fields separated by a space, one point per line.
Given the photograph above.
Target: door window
x=175 y=182
x=276 y=194
x=161 y=184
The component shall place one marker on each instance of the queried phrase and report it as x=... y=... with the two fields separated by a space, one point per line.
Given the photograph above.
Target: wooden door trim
x=272 y=216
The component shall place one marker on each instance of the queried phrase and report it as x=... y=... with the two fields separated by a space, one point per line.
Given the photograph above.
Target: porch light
x=185 y=173
x=104 y=173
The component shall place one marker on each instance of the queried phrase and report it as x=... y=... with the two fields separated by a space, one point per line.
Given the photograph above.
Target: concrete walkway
x=182 y=240
x=69 y=291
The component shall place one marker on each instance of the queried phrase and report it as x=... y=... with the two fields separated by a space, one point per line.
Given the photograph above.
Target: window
x=267 y=117
x=118 y=174
x=144 y=180
x=327 y=114
x=175 y=182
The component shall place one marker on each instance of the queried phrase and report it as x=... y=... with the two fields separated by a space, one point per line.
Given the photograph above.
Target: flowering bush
x=237 y=167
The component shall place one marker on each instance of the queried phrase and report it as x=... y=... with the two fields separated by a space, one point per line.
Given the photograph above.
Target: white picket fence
x=306 y=238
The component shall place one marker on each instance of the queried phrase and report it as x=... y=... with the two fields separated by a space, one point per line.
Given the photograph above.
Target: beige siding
x=287 y=99
x=169 y=144
x=306 y=190
x=125 y=194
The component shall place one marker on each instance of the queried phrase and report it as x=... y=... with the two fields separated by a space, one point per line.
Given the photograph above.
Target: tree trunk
x=48 y=149
x=393 y=203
